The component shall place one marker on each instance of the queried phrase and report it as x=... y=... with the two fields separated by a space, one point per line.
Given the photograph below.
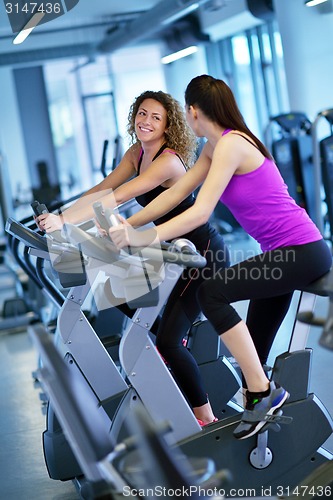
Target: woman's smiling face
x=150 y=121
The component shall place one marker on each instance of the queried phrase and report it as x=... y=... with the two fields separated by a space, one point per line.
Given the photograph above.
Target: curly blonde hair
x=179 y=135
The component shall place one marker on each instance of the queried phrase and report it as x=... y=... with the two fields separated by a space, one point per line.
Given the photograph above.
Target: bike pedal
x=270 y=426
x=278 y=418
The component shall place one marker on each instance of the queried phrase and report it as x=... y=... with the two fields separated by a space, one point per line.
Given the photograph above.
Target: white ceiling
x=99 y=26
x=86 y=23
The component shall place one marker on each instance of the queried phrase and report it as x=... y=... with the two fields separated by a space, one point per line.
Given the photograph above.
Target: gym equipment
x=157 y=466
x=77 y=412
x=117 y=154
x=292 y=454
x=318 y=484
x=103 y=161
x=326 y=147
x=72 y=324
x=304 y=452
x=289 y=138
x=82 y=335
x=101 y=318
x=6 y=200
x=323 y=175
x=322 y=163
x=49 y=192
x=204 y=345
x=18 y=311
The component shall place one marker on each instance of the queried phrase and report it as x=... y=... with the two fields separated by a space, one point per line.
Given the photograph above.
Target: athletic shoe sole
x=261 y=424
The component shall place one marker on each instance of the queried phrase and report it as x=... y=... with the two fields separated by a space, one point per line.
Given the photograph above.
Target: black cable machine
x=323 y=192
x=288 y=136
x=325 y=161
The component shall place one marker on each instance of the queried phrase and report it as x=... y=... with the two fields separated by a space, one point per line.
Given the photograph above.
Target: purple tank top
x=260 y=202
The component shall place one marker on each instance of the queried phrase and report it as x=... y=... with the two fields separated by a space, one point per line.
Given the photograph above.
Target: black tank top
x=198 y=236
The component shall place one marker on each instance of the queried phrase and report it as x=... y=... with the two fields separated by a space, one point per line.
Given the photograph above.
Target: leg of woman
x=239 y=343
x=265 y=277
x=268 y=275
x=181 y=310
x=263 y=322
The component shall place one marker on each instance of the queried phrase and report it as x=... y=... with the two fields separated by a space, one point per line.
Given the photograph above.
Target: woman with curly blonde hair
x=178 y=135
x=163 y=148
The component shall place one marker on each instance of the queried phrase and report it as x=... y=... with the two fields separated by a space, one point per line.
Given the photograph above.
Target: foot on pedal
x=259 y=409
x=203 y=424
x=273 y=425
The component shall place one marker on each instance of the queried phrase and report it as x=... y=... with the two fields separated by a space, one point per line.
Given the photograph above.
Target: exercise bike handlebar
x=107 y=218
x=183 y=254
x=25 y=235
x=34 y=240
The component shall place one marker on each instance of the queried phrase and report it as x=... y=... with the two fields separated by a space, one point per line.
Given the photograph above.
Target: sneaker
x=203 y=424
x=257 y=409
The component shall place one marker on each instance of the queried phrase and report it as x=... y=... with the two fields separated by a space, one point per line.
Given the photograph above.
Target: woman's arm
x=225 y=161
x=82 y=209
x=175 y=194
x=227 y=158
x=166 y=167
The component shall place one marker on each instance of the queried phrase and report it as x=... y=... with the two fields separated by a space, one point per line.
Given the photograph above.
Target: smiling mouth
x=144 y=129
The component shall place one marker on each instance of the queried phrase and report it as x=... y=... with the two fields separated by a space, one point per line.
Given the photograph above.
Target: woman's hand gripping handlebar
x=181 y=251
x=120 y=232
x=105 y=218
x=183 y=254
x=41 y=209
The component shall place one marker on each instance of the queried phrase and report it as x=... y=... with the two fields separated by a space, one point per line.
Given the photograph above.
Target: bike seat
x=322 y=286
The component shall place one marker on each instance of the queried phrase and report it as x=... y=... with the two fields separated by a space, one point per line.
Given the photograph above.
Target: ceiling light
x=27 y=29
x=179 y=54
x=182 y=13
x=312 y=3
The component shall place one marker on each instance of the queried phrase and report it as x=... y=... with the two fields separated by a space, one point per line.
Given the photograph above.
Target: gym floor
x=23 y=475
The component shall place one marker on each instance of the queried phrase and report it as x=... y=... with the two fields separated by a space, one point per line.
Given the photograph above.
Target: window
x=89 y=100
x=251 y=62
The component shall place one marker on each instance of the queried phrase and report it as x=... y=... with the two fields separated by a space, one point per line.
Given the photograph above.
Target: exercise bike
x=293 y=453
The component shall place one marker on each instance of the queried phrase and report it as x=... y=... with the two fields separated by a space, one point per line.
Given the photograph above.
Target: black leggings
x=268 y=280
x=180 y=312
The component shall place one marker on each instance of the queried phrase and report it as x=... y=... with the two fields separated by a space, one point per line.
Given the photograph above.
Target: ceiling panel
x=86 y=23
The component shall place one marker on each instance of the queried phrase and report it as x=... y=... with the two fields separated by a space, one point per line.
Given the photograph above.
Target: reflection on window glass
x=258 y=79
x=246 y=98
x=281 y=72
x=62 y=125
x=267 y=53
x=241 y=50
x=256 y=74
